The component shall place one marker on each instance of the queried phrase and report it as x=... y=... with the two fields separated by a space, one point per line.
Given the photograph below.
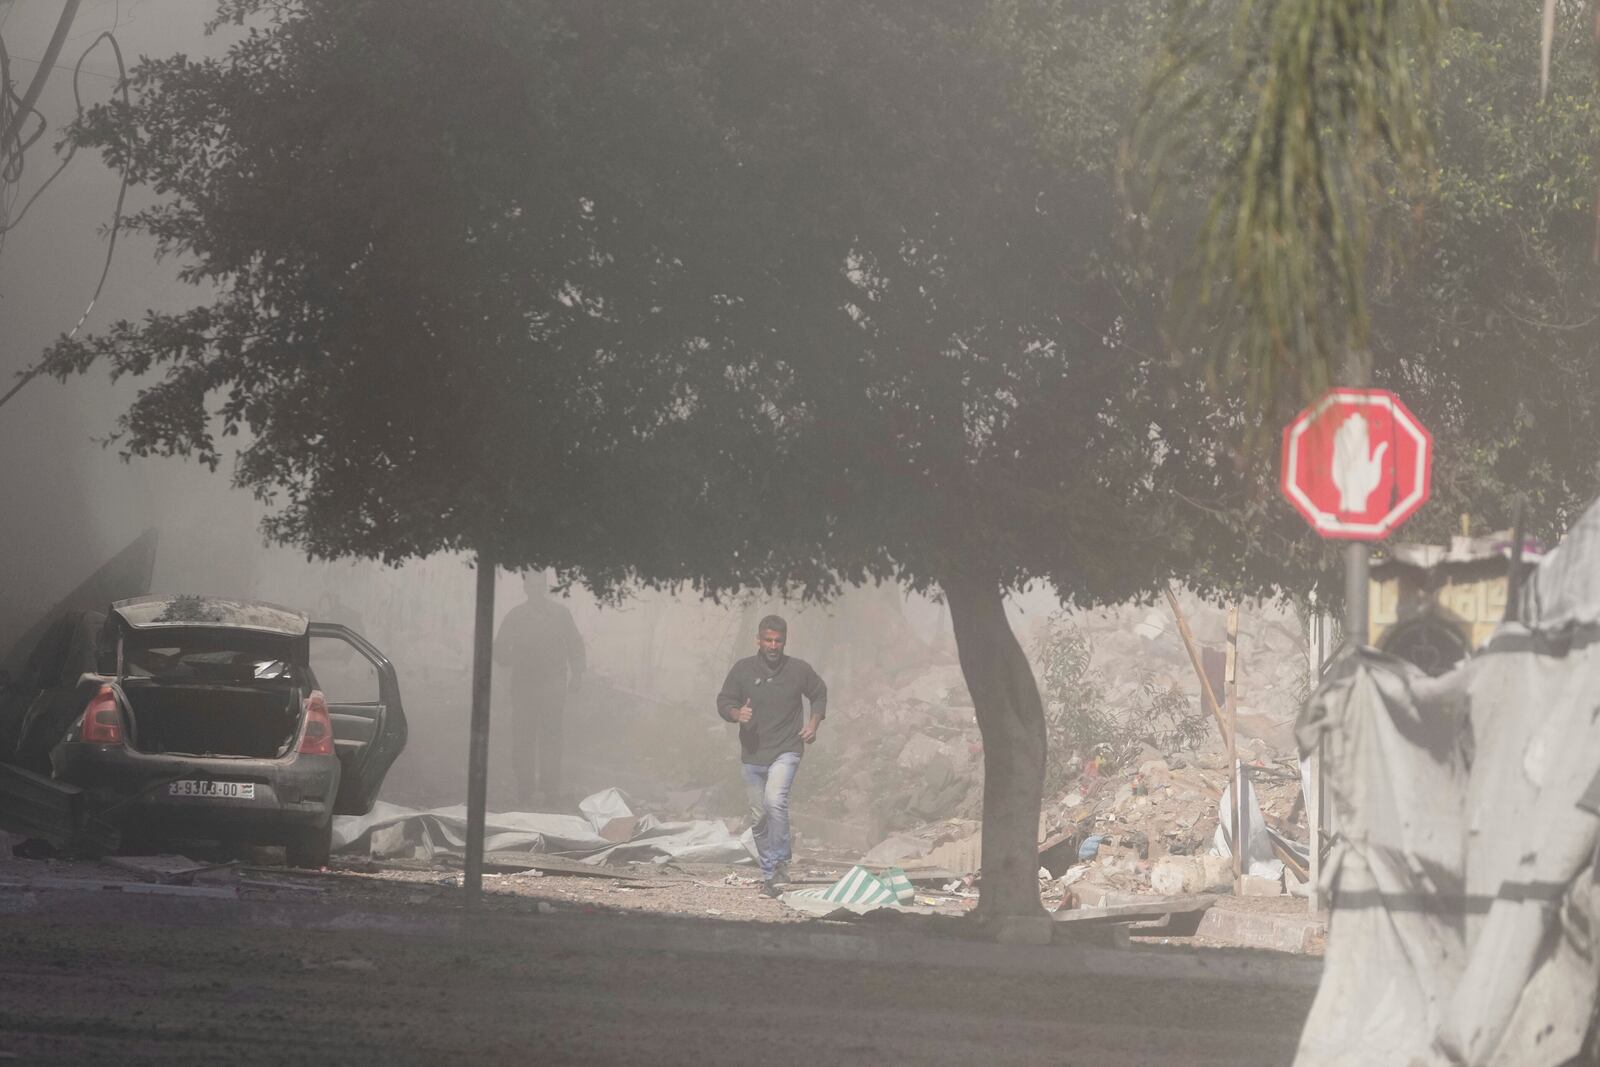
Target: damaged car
x=187 y=717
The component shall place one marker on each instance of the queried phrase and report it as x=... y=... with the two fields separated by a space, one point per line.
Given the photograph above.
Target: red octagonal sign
x=1356 y=463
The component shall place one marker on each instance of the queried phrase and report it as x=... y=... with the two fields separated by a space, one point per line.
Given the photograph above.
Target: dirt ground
x=697 y=890
x=87 y=992
x=690 y=890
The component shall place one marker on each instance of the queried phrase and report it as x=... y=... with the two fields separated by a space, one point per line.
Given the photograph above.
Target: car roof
x=163 y=611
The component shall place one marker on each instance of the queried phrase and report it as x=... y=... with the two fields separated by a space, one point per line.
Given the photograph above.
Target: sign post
x=1356 y=464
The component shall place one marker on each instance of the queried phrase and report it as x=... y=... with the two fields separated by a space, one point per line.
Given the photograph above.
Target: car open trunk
x=251 y=720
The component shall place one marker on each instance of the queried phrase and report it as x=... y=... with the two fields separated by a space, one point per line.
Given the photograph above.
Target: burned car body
x=202 y=717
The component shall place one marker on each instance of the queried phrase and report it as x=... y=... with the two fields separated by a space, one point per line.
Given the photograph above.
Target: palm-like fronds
x=1329 y=121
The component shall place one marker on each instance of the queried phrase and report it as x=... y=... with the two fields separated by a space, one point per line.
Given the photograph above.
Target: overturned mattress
x=390 y=831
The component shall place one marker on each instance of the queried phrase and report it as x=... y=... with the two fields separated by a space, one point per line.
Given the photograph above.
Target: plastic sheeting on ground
x=391 y=831
x=1465 y=915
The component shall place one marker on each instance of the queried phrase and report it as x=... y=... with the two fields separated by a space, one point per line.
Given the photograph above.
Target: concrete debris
x=1176 y=875
x=174 y=870
x=1152 y=910
x=1280 y=933
x=1253 y=885
x=1139 y=814
x=1146 y=829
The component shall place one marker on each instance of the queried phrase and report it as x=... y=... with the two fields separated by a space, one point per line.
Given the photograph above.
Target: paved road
x=85 y=991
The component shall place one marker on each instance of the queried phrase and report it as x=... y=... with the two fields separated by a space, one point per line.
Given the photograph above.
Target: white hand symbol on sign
x=1356 y=470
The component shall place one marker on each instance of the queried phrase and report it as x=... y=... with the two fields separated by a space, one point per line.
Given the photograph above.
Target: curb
x=633 y=934
x=1280 y=933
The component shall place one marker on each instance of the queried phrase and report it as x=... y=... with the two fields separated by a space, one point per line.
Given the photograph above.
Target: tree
x=1335 y=99
x=788 y=297
x=409 y=293
x=1490 y=315
x=1435 y=218
x=921 y=286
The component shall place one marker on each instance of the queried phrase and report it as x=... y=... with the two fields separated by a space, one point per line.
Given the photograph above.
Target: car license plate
x=196 y=788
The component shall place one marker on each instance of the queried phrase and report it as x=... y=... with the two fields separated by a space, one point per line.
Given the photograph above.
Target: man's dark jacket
x=774 y=695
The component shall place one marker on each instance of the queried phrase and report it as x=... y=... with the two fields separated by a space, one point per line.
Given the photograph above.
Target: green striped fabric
x=897 y=883
x=861 y=886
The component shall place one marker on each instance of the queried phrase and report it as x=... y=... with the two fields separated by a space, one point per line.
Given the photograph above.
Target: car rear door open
x=369 y=724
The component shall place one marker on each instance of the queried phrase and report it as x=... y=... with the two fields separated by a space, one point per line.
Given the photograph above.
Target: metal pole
x=1514 y=570
x=1238 y=816
x=1355 y=593
x=1358 y=372
x=478 y=750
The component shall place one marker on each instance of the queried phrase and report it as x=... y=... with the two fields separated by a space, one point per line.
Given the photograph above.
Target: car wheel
x=310 y=848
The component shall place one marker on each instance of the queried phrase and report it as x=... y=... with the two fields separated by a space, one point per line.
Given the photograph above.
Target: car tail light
x=102 y=719
x=316 y=739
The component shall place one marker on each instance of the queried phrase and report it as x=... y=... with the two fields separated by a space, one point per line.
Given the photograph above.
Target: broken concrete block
x=1155 y=773
x=918 y=751
x=1284 y=933
x=1175 y=876
x=1219 y=871
x=1252 y=885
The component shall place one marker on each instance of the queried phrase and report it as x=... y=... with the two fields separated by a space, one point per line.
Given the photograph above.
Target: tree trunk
x=1011 y=719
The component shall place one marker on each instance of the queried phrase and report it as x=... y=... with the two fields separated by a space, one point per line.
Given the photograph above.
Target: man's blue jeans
x=768 y=791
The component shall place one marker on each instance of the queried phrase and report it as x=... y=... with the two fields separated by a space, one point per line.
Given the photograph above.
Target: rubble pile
x=903 y=738
x=910 y=756
x=1141 y=804
x=1155 y=829
x=1136 y=648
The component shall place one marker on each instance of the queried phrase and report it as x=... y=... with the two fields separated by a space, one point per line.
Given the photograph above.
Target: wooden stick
x=1290 y=860
x=1208 y=697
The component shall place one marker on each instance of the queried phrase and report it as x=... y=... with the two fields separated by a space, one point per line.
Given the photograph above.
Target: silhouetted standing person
x=762 y=694
x=542 y=653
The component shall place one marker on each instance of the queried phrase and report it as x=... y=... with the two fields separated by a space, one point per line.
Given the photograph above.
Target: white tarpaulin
x=390 y=830
x=1263 y=862
x=1464 y=926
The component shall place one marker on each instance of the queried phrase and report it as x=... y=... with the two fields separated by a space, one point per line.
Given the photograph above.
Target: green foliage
x=1490 y=325
x=832 y=292
x=1080 y=725
x=783 y=296
x=1335 y=98
x=1456 y=254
